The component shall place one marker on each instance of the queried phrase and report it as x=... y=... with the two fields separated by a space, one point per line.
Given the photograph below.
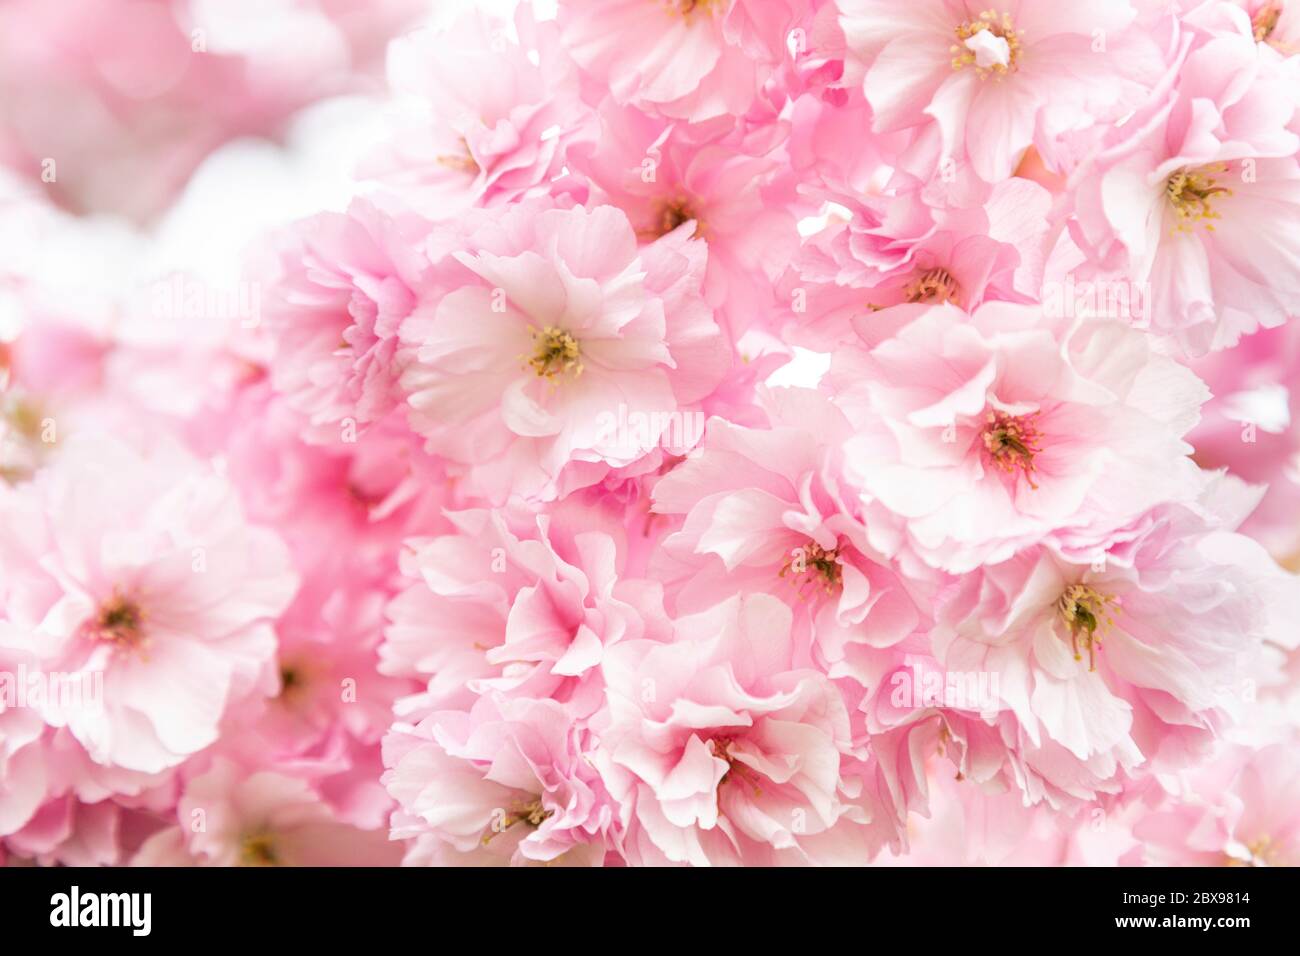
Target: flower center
x=532 y=814
x=23 y=441
x=555 y=353
x=813 y=566
x=990 y=43
x=1012 y=442
x=258 y=849
x=120 y=621
x=720 y=747
x=689 y=7
x=462 y=162
x=294 y=681
x=1086 y=612
x=937 y=285
x=672 y=213
x=1264 y=22
x=1262 y=852
x=1191 y=193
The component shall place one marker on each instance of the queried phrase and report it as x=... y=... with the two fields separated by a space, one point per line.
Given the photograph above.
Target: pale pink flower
x=67 y=832
x=721 y=432
x=895 y=251
x=979 y=434
x=736 y=190
x=1127 y=665
x=343 y=507
x=487 y=119
x=693 y=60
x=765 y=511
x=141 y=569
x=338 y=290
x=523 y=605
x=1196 y=196
x=330 y=708
x=24 y=771
x=508 y=782
x=1273 y=23
x=967 y=825
x=993 y=80
x=1240 y=809
x=554 y=348
x=722 y=749
x=1250 y=427
x=254 y=817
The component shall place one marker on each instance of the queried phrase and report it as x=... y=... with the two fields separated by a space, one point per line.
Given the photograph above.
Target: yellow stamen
x=1086 y=611
x=937 y=285
x=670 y=214
x=120 y=621
x=814 y=563
x=1191 y=194
x=532 y=814
x=463 y=161
x=1012 y=442
x=1263 y=852
x=556 y=353
x=258 y=849
x=1264 y=22
x=687 y=8
x=1000 y=26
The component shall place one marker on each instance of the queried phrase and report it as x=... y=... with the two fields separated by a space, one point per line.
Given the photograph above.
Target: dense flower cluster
x=759 y=432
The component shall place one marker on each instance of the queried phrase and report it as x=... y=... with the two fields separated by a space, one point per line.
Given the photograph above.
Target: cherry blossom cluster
x=713 y=432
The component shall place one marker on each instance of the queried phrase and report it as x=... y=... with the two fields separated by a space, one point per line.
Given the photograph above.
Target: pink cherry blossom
x=536 y=601
x=1195 y=194
x=765 y=512
x=1124 y=665
x=722 y=749
x=687 y=59
x=521 y=785
x=734 y=189
x=548 y=329
x=338 y=293
x=977 y=434
x=140 y=569
x=991 y=81
x=487 y=124
x=1237 y=810
x=260 y=819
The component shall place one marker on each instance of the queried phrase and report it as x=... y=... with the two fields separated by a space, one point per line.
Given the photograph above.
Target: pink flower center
x=1264 y=22
x=295 y=679
x=555 y=353
x=463 y=161
x=813 y=566
x=736 y=771
x=1087 y=613
x=1192 y=192
x=990 y=43
x=1011 y=442
x=688 y=8
x=1263 y=852
x=531 y=814
x=258 y=849
x=937 y=285
x=671 y=214
x=119 y=621
x=23 y=441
